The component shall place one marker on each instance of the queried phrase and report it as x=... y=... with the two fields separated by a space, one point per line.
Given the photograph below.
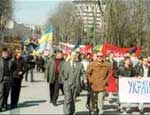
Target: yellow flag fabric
x=46 y=38
x=27 y=41
x=35 y=53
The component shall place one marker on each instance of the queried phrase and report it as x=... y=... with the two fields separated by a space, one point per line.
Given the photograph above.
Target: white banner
x=134 y=90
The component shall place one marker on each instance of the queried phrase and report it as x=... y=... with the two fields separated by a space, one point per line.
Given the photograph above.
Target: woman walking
x=19 y=70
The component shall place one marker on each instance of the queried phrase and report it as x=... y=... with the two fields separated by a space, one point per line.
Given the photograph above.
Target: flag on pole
x=47 y=36
x=76 y=46
x=98 y=48
x=26 y=41
x=45 y=43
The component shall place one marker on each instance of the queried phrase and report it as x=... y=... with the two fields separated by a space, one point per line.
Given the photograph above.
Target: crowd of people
x=13 y=68
x=96 y=73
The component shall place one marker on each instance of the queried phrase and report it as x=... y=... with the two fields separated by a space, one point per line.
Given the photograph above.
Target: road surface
x=34 y=99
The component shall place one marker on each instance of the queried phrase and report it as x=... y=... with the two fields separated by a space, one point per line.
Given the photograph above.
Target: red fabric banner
x=86 y=49
x=118 y=51
x=112 y=83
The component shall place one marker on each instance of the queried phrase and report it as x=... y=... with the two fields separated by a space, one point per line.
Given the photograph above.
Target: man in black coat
x=31 y=64
x=6 y=70
x=143 y=70
x=125 y=70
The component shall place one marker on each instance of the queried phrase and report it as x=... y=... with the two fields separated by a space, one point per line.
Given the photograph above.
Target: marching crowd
x=96 y=73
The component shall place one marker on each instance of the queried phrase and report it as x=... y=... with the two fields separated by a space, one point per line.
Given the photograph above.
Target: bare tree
x=67 y=27
x=5 y=14
x=126 y=22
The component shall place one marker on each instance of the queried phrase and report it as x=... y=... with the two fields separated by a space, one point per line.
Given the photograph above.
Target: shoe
x=62 y=93
x=110 y=101
x=13 y=106
x=5 y=107
x=141 y=112
x=120 y=109
x=71 y=114
x=91 y=112
x=123 y=110
x=0 y=110
x=129 y=111
x=100 y=113
x=124 y=113
x=87 y=106
x=54 y=103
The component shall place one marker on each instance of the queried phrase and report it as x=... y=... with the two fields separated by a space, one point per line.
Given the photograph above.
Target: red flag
x=87 y=49
x=118 y=51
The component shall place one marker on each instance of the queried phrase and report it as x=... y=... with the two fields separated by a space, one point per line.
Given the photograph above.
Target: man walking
x=97 y=75
x=6 y=69
x=143 y=71
x=71 y=73
x=126 y=70
x=52 y=74
x=31 y=64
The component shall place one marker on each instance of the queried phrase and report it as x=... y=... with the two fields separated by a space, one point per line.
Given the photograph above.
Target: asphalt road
x=34 y=99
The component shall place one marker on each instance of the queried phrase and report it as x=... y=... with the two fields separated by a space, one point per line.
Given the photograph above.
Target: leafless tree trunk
x=5 y=14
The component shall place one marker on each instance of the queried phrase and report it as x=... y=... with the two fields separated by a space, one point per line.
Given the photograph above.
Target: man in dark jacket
x=139 y=63
x=52 y=74
x=143 y=70
x=40 y=63
x=31 y=64
x=126 y=70
x=6 y=69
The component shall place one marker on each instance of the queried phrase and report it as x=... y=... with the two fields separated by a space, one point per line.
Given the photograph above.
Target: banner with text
x=134 y=90
x=119 y=51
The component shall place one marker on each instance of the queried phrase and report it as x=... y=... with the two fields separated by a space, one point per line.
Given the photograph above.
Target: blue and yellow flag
x=99 y=47
x=47 y=36
x=45 y=41
x=77 y=46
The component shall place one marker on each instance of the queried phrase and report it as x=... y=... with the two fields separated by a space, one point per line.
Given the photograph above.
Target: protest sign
x=134 y=90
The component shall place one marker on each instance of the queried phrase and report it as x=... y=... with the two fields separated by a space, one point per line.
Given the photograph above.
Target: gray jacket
x=50 y=71
x=72 y=76
x=2 y=68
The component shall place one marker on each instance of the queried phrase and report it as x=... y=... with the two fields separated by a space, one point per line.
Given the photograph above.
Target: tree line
x=125 y=23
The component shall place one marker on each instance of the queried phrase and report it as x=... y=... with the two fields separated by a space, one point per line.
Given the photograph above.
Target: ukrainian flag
x=26 y=41
x=47 y=36
x=99 y=47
